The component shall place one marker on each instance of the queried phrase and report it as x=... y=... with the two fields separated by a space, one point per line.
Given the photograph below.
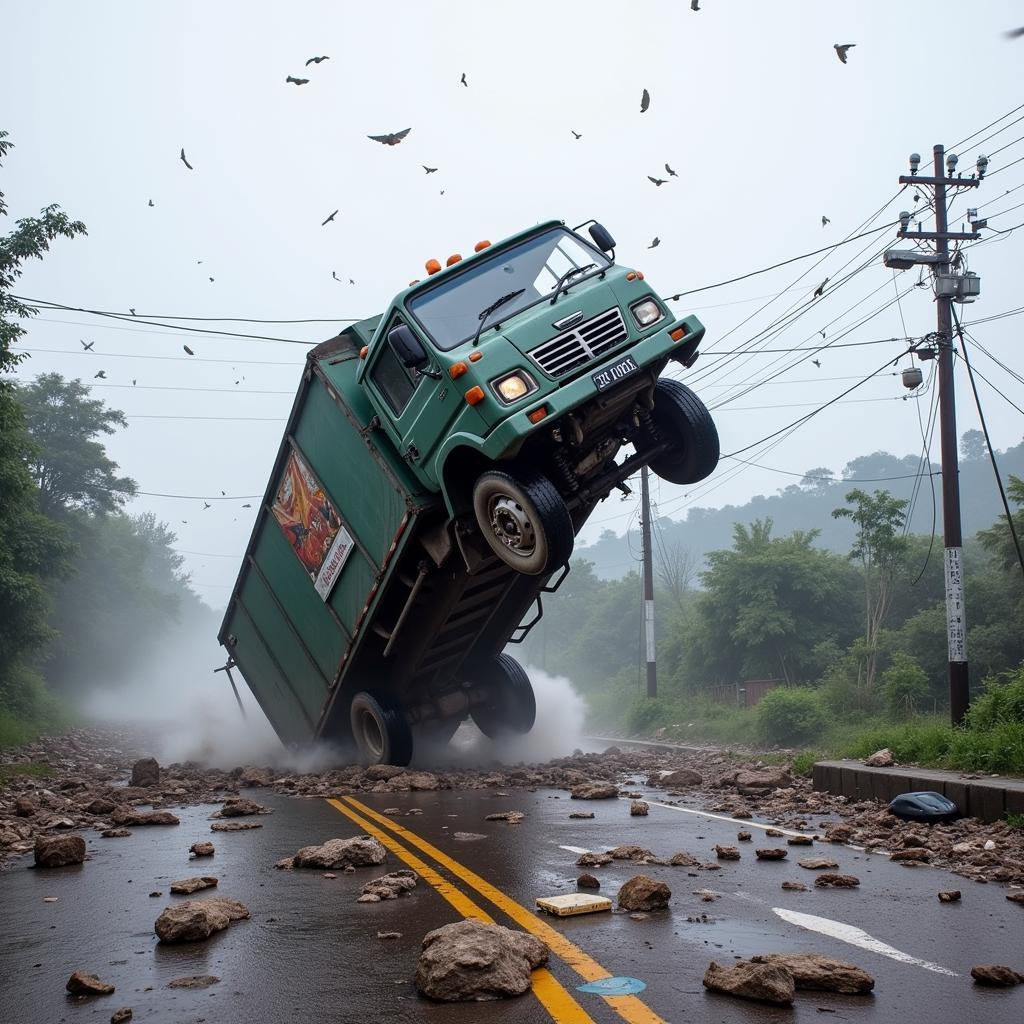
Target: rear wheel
x=524 y=521
x=380 y=729
x=510 y=707
x=683 y=420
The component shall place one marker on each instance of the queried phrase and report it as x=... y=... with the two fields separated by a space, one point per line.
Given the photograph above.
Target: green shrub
x=27 y=708
x=803 y=763
x=791 y=716
x=1002 y=701
x=905 y=685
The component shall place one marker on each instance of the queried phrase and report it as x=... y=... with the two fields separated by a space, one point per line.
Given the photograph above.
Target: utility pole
x=948 y=287
x=645 y=523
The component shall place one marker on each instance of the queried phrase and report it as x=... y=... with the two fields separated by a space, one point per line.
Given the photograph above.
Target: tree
x=972 y=445
x=677 y=567
x=69 y=465
x=879 y=546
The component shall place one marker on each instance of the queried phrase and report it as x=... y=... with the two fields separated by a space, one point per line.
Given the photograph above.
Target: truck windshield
x=449 y=312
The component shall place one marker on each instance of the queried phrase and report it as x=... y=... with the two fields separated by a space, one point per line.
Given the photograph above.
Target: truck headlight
x=646 y=313
x=513 y=386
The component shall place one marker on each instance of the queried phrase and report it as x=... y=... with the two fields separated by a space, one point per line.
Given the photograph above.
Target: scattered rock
x=774 y=833
x=643 y=893
x=771 y=853
x=202 y=849
x=794 y=886
x=880 y=759
x=682 y=859
x=761 y=782
x=595 y=791
x=115 y=833
x=468 y=837
x=83 y=984
x=382 y=772
x=130 y=817
x=58 y=851
x=389 y=935
x=392 y=812
x=122 y=1015
x=630 y=851
x=155 y=894
x=727 y=853
x=800 y=841
x=101 y=806
x=581 y=814
x=817 y=863
x=420 y=781
x=240 y=807
x=146 y=772
x=707 y=895
x=830 y=880
x=256 y=777
x=195 y=920
x=389 y=886
x=682 y=778
x=186 y=886
x=639 y=809
x=360 y=851
x=765 y=983
x=1016 y=896
x=914 y=855
x=194 y=981
x=949 y=896
x=471 y=961
x=587 y=881
x=512 y=817
x=235 y=826
x=996 y=975
x=24 y=807
x=821 y=973
x=743 y=837
x=593 y=860
x=285 y=863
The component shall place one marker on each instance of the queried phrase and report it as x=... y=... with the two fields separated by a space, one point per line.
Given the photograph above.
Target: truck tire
x=524 y=520
x=510 y=707
x=380 y=729
x=683 y=420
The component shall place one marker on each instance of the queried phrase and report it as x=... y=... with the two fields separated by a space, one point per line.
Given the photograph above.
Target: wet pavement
x=311 y=953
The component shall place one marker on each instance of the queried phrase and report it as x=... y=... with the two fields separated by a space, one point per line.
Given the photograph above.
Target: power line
x=176 y=359
x=964 y=141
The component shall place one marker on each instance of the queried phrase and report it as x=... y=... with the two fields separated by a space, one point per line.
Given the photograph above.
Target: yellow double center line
x=556 y=999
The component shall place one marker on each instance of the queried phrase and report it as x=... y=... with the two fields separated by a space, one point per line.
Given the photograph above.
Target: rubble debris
x=512 y=817
x=914 y=855
x=389 y=935
x=595 y=791
x=392 y=812
x=682 y=859
x=155 y=894
x=115 y=833
x=794 y=886
x=581 y=815
x=389 y=886
x=101 y=805
x=949 y=896
x=588 y=881
x=774 y=833
x=1016 y=896
x=256 y=777
x=240 y=807
x=743 y=837
x=81 y=983
x=681 y=778
x=812 y=971
x=573 y=904
x=202 y=849
x=829 y=880
x=880 y=759
x=146 y=773
x=630 y=851
x=24 y=807
x=758 y=783
x=727 y=853
x=764 y=983
x=817 y=863
x=470 y=961
x=129 y=817
x=593 y=860
x=121 y=1016
x=195 y=920
x=194 y=981
x=643 y=893
x=187 y=886
x=707 y=895
x=360 y=851
x=771 y=853
x=412 y=780
x=58 y=851
x=639 y=809
x=800 y=841
x=468 y=837
x=235 y=826
x=996 y=975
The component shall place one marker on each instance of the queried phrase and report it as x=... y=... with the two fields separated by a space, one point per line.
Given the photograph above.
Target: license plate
x=611 y=375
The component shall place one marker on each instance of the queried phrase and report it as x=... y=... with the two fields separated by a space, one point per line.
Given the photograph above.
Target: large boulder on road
x=681 y=778
x=820 y=973
x=195 y=920
x=751 y=783
x=360 y=851
x=595 y=791
x=59 y=851
x=82 y=983
x=766 y=983
x=130 y=817
x=471 y=961
x=643 y=893
x=146 y=772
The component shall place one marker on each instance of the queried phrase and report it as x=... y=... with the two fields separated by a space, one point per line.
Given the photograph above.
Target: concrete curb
x=987 y=798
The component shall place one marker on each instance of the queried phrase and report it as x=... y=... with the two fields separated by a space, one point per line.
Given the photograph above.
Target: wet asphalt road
x=310 y=953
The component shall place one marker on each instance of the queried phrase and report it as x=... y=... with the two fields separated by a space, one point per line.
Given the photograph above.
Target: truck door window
x=392 y=379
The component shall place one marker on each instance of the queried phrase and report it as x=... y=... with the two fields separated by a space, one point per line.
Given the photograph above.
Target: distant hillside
x=807 y=504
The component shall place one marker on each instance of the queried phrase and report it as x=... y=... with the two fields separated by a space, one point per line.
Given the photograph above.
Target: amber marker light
x=433 y=266
x=475 y=395
x=481 y=245
x=538 y=414
x=677 y=334
x=456 y=370
x=632 y=275
x=453 y=259
x=475 y=356
x=363 y=351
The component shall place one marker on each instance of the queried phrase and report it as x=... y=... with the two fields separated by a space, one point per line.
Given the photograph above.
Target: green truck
x=437 y=464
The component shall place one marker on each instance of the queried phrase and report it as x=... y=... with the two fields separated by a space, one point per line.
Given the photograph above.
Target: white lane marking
x=575 y=849
x=743 y=822
x=856 y=937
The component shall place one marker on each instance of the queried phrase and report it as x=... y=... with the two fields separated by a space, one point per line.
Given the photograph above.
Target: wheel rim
x=370 y=735
x=512 y=525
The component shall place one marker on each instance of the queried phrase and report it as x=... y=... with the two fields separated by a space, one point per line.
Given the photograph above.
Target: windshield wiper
x=493 y=307
x=567 y=276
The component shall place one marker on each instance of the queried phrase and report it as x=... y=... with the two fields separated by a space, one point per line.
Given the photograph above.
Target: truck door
x=419 y=406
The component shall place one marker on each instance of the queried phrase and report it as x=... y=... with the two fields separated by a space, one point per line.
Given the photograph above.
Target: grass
x=1015 y=820
x=33 y=769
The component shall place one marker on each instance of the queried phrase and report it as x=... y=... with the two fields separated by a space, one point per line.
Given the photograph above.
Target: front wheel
x=380 y=729
x=683 y=420
x=524 y=521
x=510 y=706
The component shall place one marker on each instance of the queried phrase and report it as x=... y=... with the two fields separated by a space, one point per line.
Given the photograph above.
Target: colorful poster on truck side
x=311 y=525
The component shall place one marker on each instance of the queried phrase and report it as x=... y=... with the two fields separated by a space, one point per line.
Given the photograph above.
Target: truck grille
x=584 y=342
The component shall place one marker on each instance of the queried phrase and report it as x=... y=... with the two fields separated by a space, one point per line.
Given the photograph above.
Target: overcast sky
x=767 y=130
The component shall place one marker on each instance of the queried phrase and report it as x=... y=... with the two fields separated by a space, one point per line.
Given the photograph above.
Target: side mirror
x=602 y=237
x=407 y=347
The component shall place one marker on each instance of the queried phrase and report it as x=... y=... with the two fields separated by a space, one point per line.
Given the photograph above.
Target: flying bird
x=134 y=379
x=207 y=505
x=247 y=505
x=316 y=60
x=211 y=279
x=842 y=48
x=463 y=80
x=577 y=135
x=822 y=333
x=694 y=5
x=1014 y=33
x=391 y=139
x=329 y=219
x=657 y=181
x=131 y=309
x=825 y=220
x=671 y=173
x=655 y=243
x=184 y=161
x=820 y=290
x=297 y=81
x=223 y=493
x=350 y=281
x=429 y=170
x=335 y=276
x=188 y=351
x=645 y=101
x=151 y=203
x=817 y=363
x=102 y=374
x=87 y=345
